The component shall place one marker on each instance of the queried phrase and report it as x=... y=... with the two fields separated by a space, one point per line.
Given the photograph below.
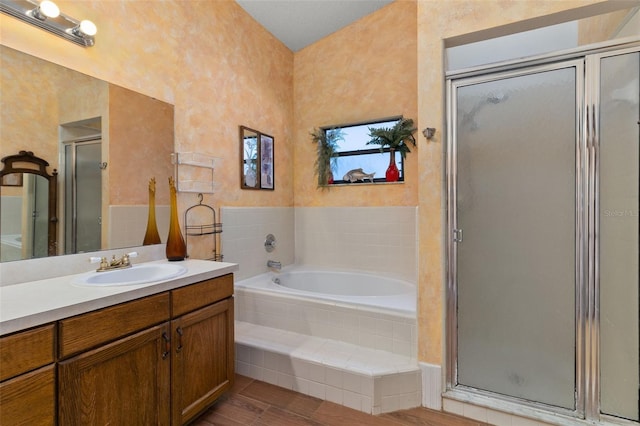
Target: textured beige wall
x=220 y=70
x=140 y=142
x=209 y=58
x=601 y=28
x=363 y=72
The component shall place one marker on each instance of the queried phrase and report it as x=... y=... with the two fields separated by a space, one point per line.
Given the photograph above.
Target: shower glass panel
x=516 y=138
x=618 y=246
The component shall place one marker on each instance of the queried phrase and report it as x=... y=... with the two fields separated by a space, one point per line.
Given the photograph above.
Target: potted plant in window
x=396 y=138
x=327 y=142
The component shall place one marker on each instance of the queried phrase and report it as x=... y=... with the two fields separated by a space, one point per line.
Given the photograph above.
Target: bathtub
x=346 y=288
x=342 y=336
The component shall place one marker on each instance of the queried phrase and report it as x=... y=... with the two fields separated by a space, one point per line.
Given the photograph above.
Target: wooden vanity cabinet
x=202 y=363
x=159 y=360
x=125 y=382
x=119 y=368
x=27 y=377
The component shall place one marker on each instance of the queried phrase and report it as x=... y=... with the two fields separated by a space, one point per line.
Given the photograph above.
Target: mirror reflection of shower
x=82 y=170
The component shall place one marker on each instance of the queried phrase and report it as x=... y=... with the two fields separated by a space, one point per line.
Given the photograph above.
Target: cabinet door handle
x=179 y=347
x=167 y=345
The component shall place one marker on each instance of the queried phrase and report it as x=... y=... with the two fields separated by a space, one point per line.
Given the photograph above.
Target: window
x=353 y=152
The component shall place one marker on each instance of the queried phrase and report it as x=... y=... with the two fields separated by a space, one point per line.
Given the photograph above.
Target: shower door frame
x=592 y=101
x=587 y=398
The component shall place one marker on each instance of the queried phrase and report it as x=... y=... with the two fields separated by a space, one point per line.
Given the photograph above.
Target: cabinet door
x=123 y=383
x=202 y=360
x=29 y=399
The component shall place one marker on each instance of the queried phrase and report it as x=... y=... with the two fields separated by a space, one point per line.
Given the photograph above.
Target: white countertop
x=34 y=303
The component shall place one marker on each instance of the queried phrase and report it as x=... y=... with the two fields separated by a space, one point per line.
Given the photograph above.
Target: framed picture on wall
x=256 y=160
x=266 y=162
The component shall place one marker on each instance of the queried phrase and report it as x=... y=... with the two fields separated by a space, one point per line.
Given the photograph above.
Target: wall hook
x=429 y=132
x=102 y=165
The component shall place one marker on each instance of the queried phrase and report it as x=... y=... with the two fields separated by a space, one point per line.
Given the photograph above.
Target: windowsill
x=360 y=184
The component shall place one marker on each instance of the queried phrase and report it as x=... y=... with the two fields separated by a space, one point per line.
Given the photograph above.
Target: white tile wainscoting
x=370 y=239
x=244 y=233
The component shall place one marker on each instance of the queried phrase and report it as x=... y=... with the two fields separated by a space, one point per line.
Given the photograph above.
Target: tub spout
x=273 y=264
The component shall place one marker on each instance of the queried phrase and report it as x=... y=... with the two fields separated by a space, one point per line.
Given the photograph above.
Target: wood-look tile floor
x=251 y=402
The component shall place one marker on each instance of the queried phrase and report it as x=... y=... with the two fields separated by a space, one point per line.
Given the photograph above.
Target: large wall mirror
x=105 y=141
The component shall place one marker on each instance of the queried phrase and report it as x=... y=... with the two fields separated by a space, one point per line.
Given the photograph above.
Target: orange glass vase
x=152 y=236
x=176 y=247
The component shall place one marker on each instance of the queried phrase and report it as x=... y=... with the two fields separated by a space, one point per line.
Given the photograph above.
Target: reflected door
x=516 y=143
x=83 y=197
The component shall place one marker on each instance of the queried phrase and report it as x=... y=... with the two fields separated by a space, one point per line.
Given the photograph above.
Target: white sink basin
x=137 y=274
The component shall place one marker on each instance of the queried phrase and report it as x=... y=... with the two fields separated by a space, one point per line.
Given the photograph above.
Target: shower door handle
x=457 y=235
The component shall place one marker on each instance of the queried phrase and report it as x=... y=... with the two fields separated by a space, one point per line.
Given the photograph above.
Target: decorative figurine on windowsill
x=356 y=175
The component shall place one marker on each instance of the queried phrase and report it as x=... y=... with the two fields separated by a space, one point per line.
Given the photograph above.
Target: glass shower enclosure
x=542 y=176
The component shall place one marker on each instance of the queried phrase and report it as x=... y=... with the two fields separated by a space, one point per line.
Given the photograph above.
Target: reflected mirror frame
x=263 y=166
x=27 y=162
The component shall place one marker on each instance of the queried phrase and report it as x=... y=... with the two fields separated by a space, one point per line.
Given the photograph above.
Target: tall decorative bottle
x=152 y=236
x=176 y=247
x=392 y=174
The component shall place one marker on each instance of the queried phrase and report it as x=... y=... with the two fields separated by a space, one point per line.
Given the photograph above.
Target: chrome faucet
x=107 y=265
x=273 y=264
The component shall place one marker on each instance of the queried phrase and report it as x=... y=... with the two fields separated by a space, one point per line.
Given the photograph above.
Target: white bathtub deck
x=366 y=379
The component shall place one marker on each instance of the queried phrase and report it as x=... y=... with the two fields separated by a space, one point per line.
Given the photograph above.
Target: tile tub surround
x=359 y=357
x=369 y=239
x=245 y=230
x=274 y=333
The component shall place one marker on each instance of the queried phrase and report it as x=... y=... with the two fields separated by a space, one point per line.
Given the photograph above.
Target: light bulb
x=49 y=9
x=88 y=28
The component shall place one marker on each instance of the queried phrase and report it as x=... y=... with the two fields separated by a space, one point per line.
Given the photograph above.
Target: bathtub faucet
x=274 y=264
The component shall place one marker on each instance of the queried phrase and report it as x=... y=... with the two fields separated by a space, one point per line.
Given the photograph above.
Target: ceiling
x=299 y=23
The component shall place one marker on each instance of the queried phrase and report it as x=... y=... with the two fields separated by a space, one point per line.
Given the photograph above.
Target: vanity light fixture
x=46 y=9
x=47 y=16
x=84 y=29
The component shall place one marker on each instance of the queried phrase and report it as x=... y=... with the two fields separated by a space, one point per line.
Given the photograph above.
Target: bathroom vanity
x=157 y=353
